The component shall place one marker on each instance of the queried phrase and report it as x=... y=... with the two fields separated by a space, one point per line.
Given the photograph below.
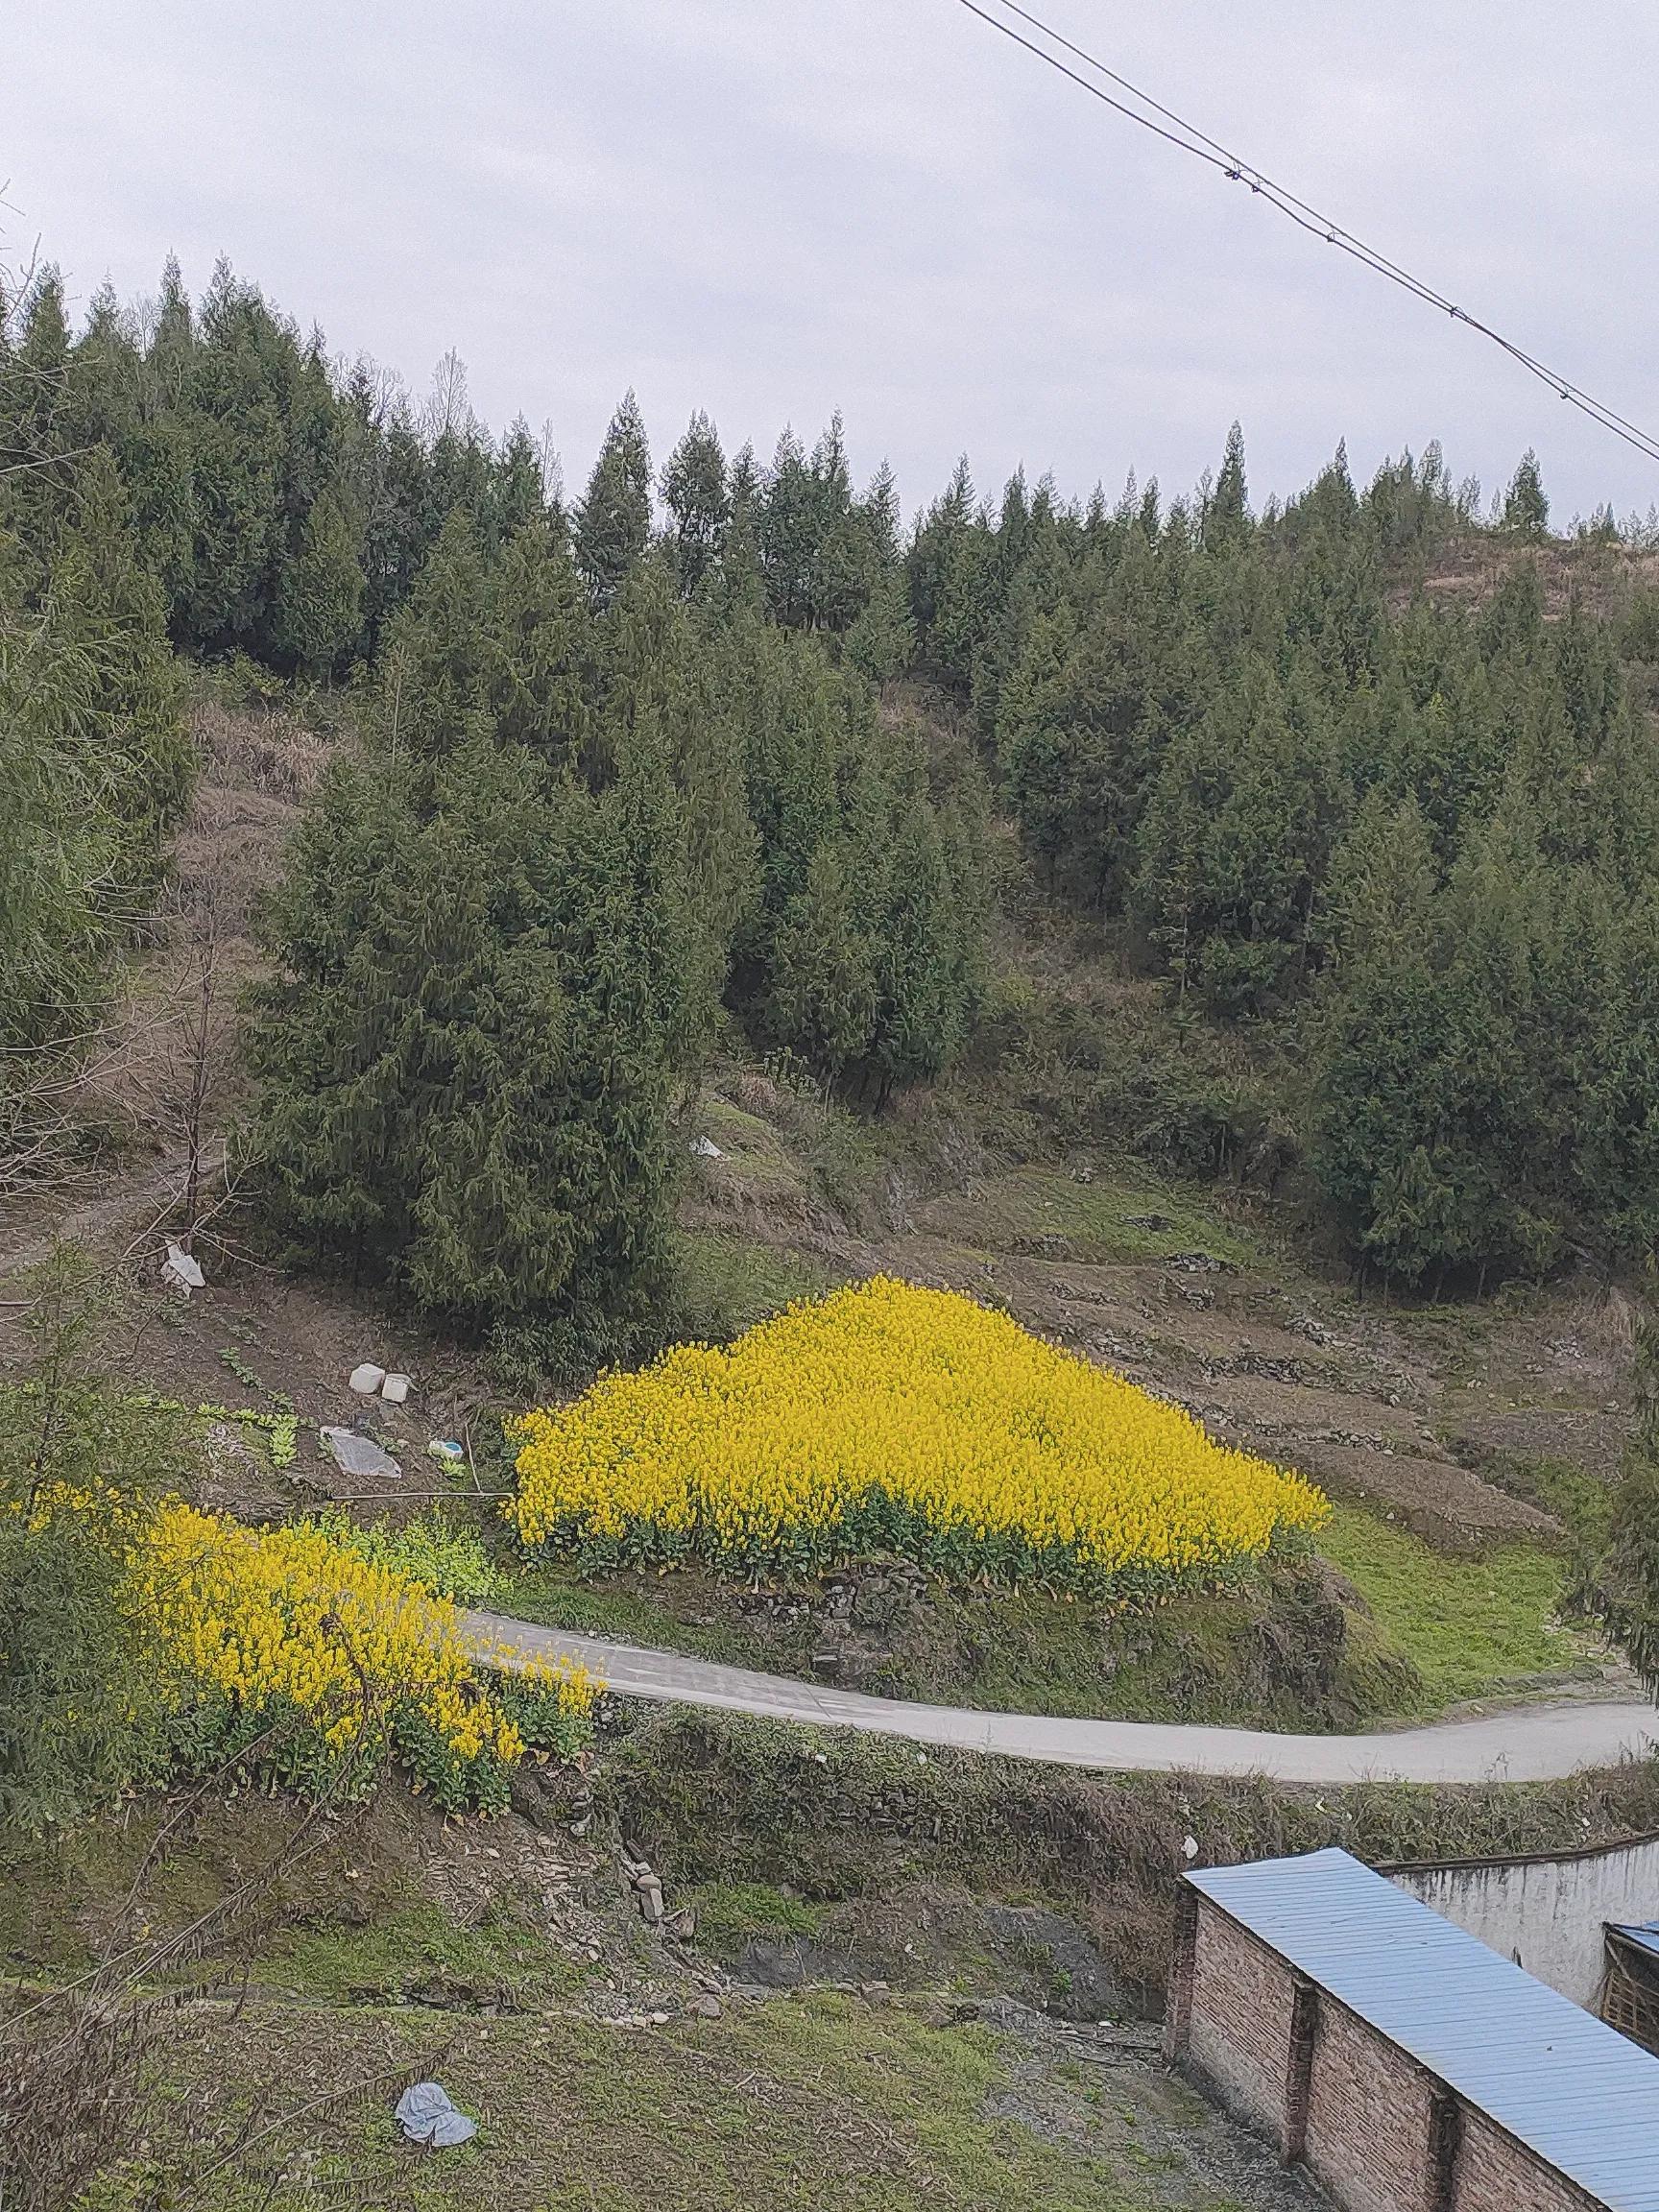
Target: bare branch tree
x=125 y=2053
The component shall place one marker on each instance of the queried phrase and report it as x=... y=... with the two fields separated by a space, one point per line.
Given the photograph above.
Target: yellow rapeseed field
x=289 y=1615
x=887 y=1417
x=291 y=1625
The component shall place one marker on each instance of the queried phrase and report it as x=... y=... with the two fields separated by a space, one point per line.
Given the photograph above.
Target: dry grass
x=258 y=748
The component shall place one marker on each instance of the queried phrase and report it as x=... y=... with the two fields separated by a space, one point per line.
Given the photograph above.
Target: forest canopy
x=718 y=751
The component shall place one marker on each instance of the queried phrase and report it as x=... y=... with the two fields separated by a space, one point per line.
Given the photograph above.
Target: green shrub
x=445 y=1560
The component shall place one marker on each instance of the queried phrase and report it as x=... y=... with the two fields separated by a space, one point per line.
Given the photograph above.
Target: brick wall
x=1368 y=2118
x=1374 y=2127
x=1495 y=2173
x=1238 y=2035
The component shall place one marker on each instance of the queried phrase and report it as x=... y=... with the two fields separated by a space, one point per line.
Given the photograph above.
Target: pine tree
x=536 y=675
x=742 y=587
x=1427 y=1078
x=923 y=991
x=238 y=370
x=108 y=603
x=1380 y=1105
x=789 y=532
x=694 y=492
x=822 y=992
x=882 y=641
x=40 y=437
x=1234 y=844
x=462 y=1050
x=54 y=847
x=319 y=615
x=612 y=524
x=1227 y=513
x=1525 y=509
x=438 y=667
x=951 y=578
x=517 y=493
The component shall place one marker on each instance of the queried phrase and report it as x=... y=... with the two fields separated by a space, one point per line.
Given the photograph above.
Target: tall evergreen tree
x=319 y=612
x=694 y=492
x=1525 y=509
x=1227 y=513
x=612 y=524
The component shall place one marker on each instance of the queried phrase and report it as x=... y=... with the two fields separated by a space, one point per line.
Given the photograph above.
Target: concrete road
x=1519 y=1743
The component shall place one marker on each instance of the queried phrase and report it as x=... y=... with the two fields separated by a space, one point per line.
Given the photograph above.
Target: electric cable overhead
x=1186 y=137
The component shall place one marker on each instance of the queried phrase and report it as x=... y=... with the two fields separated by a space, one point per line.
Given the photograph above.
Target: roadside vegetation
x=142 y=1638
x=1468 y=1627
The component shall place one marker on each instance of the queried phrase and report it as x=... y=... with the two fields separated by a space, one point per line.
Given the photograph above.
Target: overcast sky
x=770 y=208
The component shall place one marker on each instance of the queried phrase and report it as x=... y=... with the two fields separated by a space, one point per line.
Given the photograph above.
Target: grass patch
x=811 y=2103
x=756 y=1161
x=723 y=1282
x=629 y=1610
x=1468 y=1627
x=1581 y=1500
x=728 y=1913
x=1040 y=1211
x=417 y=1953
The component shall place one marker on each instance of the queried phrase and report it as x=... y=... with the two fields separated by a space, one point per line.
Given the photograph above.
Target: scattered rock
x=705 y=1148
x=682 y=1924
x=365 y=1380
x=704 y=2007
x=648 y=1887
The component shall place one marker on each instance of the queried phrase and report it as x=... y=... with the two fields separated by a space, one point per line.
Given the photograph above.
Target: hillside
x=1459 y=1437
x=500 y=942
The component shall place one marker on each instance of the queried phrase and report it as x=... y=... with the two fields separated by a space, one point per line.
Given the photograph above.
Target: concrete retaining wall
x=1547 y=1913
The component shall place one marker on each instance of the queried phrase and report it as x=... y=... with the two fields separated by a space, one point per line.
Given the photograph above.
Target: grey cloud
x=772 y=208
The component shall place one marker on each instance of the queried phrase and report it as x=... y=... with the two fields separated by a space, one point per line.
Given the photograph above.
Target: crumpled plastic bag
x=181 y=1271
x=427 y=2116
x=356 y=1454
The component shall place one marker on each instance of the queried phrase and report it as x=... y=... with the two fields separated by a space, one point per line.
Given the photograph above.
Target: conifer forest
x=718 y=747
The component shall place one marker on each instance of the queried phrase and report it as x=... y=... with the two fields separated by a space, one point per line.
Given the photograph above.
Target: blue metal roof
x=1558 y=2079
x=1645 y=1933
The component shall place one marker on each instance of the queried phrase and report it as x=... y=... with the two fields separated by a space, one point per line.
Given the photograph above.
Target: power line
x=1188 y=139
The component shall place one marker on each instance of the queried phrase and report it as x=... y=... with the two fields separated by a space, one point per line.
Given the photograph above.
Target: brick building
x=1406 y=2067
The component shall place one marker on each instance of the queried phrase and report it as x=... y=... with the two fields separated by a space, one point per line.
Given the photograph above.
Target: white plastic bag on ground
x=180 y=1270
x=356 y=1454
x=427 y=2116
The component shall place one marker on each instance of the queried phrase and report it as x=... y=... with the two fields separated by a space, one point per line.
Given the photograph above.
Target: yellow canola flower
x=891 y=1417
x=290 y=1614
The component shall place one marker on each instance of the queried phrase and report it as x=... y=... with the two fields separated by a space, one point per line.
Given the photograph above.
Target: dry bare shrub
x=259 y=749
x=113 y=2076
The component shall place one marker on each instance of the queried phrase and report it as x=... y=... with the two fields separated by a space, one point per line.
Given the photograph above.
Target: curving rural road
x=1521 y=1743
